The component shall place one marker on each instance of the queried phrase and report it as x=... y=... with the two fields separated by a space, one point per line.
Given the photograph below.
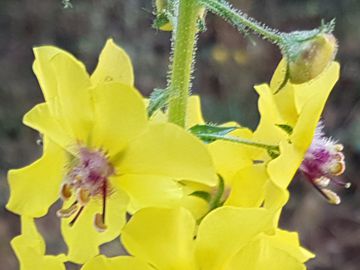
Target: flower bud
x=308 y=58
x=163 y=11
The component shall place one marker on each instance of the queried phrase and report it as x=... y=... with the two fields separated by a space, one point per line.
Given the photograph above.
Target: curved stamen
x=72 y=222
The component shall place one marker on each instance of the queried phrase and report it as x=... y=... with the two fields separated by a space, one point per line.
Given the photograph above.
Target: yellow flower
x=100 y=151
x=29 y=248
x=228 y=238
x=297 y=108
x=289 y=119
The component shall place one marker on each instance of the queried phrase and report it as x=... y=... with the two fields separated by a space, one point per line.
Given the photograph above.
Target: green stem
x=239 y=140
x=242 y=21
x=184 y=41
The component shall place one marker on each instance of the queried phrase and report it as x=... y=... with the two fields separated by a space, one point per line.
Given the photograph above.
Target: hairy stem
x=184 y=42
x=242 y=21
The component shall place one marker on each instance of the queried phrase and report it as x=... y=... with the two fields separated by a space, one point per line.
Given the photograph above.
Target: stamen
x=338 y=147
x=341 y=183
x=338 y=168
x=104 y=201
x=321 y=190
x=333 y=197
x=76 y=216
x=68 y=212
x=65 y=192
x=99 y=224
x=83 y=196
x=322 y=181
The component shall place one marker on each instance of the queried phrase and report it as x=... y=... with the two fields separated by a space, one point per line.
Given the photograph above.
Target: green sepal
x=292 y=41
x=217 y=200
x=288 y=129
x=273 y=153
x=202 y=195
x=161 y=20
x=207 y=132
x=158 y=100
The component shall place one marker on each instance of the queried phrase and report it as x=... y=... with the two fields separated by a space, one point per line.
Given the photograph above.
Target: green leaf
x=158 y=100
x=207 y=132
x=288 y=129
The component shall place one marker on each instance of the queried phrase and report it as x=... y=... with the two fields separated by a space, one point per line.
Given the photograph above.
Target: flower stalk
x=242 y=21
x=184 y=43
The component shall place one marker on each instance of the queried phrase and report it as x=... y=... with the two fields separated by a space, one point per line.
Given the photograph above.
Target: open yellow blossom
x=228 y=238
x=100 y=151
x=29 y=248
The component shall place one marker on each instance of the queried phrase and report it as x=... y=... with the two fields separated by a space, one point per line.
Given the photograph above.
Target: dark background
x=227 y=67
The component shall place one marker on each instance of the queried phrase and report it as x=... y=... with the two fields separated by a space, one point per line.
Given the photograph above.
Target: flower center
x=87 y=179
x=324 y=160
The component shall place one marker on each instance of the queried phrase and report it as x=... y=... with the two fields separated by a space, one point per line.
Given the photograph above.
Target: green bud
x=308 y=58
x=164 y=11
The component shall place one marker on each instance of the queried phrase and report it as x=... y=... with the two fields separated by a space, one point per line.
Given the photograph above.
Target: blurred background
x=228 y=65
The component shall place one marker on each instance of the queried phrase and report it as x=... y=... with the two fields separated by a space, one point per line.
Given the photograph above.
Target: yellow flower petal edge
x=114 y=65
x=116 y=263
x=162 y=237
x=35 y=187
x=231 y=229
x=278 y=251
x=29 y=248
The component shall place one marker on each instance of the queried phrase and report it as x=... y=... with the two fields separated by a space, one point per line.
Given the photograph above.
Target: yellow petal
x=248 y=187
x=149 y=190
x=311 y=110
x=120 y=115
x=162 y=237
x=282 y=175
x=230 y=157
x=74 y=96
x=197 y=206
x=29 y=248
x=275 y=196
x=41 y=119
x=114 y=65
x=44 y=71
x=289 y=243
x=225 y=231
x=82 y=238
x=261 y=254
x=285 y=102
x=168 y=150
x=321 y=85
x=279 y=76
x=33 y=189
x=194 y=114
x=267 y=131
x=116 y=263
